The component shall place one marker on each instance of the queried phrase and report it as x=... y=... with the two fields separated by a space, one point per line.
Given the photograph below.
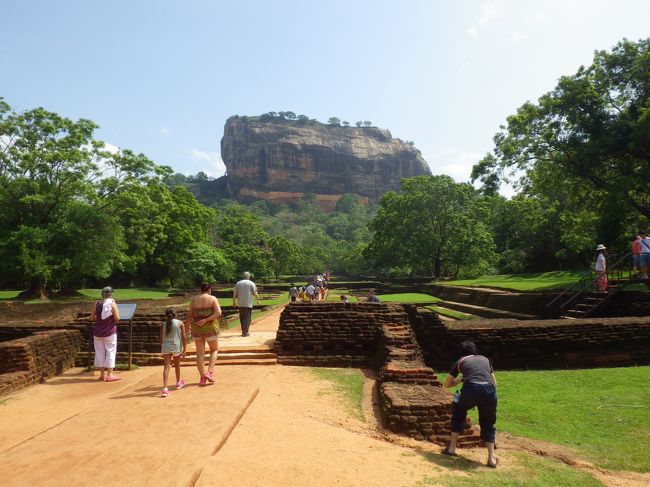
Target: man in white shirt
x=242 y=297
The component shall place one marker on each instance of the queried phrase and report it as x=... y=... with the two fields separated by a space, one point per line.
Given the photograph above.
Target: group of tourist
x=640 y=255
x=315 y=289
x=203 y=319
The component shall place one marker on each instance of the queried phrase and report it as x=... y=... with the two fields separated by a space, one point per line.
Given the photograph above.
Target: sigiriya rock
x=276 y=159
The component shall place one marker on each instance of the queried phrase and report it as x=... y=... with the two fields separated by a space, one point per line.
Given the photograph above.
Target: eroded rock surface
x=281 y=160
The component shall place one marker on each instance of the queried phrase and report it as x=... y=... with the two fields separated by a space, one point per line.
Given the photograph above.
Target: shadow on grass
x=459 y=462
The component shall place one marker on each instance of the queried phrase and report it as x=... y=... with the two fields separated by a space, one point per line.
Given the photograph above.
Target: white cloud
x=489 y=12
x=517 y=36
x=164 y=130
x=454 y=162
x=215 y=168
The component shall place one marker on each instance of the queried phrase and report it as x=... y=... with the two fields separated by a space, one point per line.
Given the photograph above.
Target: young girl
x=172 y=346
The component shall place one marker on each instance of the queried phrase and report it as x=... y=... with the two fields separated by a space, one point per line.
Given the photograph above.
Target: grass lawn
x=128 y=293
x=408 y=298
x=8 y=295
x=523 y=282
x=347 y=384
x=451 y=313
x=603 y=414
x=530 y=471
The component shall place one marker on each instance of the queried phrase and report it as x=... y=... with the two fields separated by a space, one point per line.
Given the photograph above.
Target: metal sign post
x=126 y=312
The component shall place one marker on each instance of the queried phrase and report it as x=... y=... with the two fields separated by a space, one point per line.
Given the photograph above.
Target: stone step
x=251 y=360
x=236 y=355
x=485 y=312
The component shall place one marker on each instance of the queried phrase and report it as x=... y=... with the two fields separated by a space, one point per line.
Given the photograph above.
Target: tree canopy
x=593 y=128
x=434 y=226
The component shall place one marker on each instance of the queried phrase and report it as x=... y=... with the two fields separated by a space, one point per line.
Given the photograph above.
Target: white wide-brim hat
x=601 y=247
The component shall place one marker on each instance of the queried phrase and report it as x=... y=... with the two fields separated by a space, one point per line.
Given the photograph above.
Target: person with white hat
x=601 y=268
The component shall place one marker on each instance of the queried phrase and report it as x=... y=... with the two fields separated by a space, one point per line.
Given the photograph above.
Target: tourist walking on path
x=105 y=316
x=310 y=290
x=644 y=256
x=204 y=320
x=242 y=297
x=601 y=268
x=293 y=293
x=479 y=389
x=172 y=347
x=636 y=254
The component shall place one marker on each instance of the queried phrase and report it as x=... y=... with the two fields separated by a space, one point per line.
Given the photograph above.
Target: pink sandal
x=113 y=378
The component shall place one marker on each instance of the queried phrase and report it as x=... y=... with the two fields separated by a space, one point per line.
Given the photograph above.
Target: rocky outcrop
x=275 y=159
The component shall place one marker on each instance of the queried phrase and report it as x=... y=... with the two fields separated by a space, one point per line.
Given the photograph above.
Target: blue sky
x=161 y=77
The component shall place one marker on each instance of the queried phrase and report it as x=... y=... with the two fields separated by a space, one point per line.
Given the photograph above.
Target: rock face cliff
x=275 y=159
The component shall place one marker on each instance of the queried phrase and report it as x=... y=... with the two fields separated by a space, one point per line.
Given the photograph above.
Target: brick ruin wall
x=536 y=344
x=30 y=360
x=333 y=334
x=362 y=334
x=411 y=398
x=145 y=340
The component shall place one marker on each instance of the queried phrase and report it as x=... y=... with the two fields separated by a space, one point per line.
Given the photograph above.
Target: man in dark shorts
x=479 y=389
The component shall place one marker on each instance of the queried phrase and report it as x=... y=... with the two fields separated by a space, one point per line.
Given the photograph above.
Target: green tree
x=594 y=127
x=433 y=225
x=58 y=187
x=204 y=263
x=334 y=121
x=285 y=255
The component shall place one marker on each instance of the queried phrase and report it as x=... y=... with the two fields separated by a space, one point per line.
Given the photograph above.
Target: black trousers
x=245 y=319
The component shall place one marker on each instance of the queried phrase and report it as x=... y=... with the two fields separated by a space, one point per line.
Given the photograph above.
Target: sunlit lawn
x=9 y=294
x=451 y=313
x=408 y=298
x=347 y=384
x=603 y=414
x=523 y=282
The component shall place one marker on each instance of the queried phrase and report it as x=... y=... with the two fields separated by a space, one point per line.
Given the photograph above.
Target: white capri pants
x=105 y=350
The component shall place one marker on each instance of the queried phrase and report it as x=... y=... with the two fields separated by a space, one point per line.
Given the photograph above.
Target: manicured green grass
x=8 y=295
x=530 y=471
x=457 y=315
x=522 y=282
x=602 y=414
x=335 y=295
x=347 y=384
x=128 y=293
x=408 y=298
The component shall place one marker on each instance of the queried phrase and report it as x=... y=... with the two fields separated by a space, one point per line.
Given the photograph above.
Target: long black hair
x=170 y=314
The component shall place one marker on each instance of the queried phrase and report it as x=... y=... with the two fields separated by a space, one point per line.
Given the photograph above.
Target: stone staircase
x=256 y=349
x=249 y=356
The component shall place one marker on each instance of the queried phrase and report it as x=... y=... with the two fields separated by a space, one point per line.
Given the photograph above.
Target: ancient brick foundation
x=333 y=334
x=33 y=359
x=532 y=344
x=412 y=399
x=357 y=334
